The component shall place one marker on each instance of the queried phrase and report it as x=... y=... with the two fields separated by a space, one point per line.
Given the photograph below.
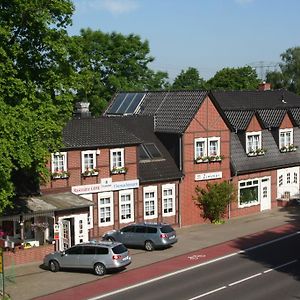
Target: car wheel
x=99 y=269
x=149 y=246
x=53 y=266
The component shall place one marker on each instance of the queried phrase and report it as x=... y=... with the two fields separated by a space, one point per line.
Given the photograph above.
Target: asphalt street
x=196 y=244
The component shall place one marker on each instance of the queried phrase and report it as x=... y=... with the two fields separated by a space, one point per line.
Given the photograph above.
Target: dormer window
x=285 y=138
x=253 y=142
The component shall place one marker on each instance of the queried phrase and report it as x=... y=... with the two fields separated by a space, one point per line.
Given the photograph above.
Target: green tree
x=110 y=62
x=289 y=75
x=214 y=200
x=189 y=80
x=231 y=79
x=35 y=90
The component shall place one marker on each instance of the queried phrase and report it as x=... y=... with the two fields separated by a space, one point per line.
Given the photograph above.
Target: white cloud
x=115 y=7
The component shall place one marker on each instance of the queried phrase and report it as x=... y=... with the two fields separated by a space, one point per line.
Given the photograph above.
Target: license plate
x=172 y=237
x=125 y=258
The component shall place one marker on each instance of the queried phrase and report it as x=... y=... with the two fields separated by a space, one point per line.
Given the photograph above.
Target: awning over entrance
x=44 y=205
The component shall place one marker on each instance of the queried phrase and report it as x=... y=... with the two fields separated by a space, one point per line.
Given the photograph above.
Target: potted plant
x=119 y=170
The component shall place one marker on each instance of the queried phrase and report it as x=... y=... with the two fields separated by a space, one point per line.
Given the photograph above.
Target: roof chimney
x=82 y=110
x=264 y=86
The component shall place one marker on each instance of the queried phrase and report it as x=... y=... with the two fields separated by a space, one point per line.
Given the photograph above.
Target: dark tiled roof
x=256 y=100
x=239 y=120
x=163 y=168
x=295 y=113
x=271 y=118
x=96 y=132
x=273 y=158
x=173 y=110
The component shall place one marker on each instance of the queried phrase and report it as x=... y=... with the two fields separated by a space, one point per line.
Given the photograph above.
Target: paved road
x=196 y=244
x=268 y=271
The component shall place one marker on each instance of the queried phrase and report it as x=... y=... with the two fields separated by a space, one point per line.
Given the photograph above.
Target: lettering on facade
x=208 y=176
x=105 y=187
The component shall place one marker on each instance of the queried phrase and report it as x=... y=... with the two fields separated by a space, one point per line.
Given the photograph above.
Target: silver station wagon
x=145 y=235
x=97 y=256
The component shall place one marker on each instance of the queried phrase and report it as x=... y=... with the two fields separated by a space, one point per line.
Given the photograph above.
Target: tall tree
x=189 y=80
x=35 y=89
x=109 y=62
x=243 y=78
x=289 y=75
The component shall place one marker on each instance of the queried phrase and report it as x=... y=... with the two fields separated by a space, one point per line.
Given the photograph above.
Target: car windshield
x=166 y=229
x=119 y=249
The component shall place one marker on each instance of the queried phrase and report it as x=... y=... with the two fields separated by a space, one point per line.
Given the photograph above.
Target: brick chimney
x=82 y=110
x=264 y=86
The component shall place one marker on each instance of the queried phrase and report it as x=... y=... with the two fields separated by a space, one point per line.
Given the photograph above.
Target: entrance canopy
x=44 y=205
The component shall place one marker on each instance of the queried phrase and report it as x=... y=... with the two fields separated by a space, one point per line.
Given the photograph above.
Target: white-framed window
x=126 y=206
x=285 y=137
x=150 y=202
x=295 y=177
x=91 y=209
x=248 y=193
x=88 y=162
x=59 y=162
x=280 y=180
x=168 y=200
x=213 y=146
x=200 y=148
x=253 y=141
x=105 y=209
x=117 y=163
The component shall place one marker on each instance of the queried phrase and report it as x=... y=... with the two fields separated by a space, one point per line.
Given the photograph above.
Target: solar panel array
x=126 y=103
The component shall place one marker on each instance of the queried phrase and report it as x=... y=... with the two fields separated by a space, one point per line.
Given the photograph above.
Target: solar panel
x=134 y=103
x=117 y=103
x=152 y=150
x=125 y=103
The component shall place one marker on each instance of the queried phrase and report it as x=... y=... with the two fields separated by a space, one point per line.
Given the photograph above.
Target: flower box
x=60 y=175
x=91 y=172
x=122 y=170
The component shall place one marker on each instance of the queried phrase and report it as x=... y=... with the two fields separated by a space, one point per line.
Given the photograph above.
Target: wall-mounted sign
x=208 y=176
x=105 y=187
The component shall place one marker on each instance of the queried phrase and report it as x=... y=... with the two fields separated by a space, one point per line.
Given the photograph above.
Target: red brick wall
x=286 y=122
x=254 y=125
x=206 y=123
x=24 y=256
x=102 y=163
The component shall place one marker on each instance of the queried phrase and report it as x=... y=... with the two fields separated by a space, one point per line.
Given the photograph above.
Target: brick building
x=142 y=160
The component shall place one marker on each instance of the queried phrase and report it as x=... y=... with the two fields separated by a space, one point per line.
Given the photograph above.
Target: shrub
x=214 y=200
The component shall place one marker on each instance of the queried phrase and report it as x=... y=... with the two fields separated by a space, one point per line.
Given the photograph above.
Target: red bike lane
x=134 y=276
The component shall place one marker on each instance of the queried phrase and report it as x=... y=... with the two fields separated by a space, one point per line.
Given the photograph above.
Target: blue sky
x=205 y=34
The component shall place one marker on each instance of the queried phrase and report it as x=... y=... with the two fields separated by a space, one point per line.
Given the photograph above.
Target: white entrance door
x=265 y=193
x=81 y=234
x=65 y=235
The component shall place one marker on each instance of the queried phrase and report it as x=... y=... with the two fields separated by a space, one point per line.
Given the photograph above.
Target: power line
x=263 y=67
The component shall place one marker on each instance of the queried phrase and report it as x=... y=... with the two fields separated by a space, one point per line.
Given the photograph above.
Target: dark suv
x=97 y=256
x=146 y=235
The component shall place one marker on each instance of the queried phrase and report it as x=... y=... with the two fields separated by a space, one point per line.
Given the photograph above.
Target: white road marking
x=194 y=267
x=208 y=293
x=244 y=279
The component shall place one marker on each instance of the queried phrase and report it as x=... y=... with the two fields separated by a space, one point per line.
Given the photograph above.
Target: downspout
x=180 y=168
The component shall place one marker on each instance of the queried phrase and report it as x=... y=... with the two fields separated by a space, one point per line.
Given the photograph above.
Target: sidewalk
x=32 y=281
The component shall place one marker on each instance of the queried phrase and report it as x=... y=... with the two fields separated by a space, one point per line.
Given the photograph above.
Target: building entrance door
x=265 y=193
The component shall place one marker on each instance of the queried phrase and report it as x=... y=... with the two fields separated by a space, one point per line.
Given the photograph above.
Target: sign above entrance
x=105 y=187
x=208 y=176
